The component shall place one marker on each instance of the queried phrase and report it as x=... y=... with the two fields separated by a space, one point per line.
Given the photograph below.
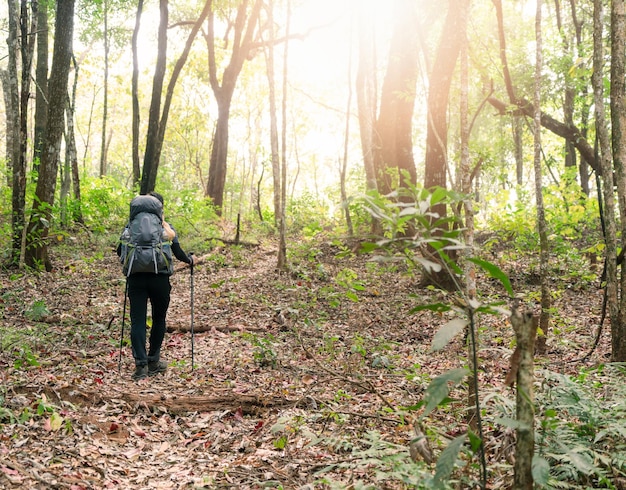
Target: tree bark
x=155 y=142
x=618 y=126
x=366 y=92
x=440 y=80
x=525 y=327
x=604 y=151
x=244 y=30
x=105 y=97
x=393 y=138
x=135 y=96
x=276 y=172
x=36 y=252
x=14 y=163
x=542 y=227
x=150 y=162
x=41 y=82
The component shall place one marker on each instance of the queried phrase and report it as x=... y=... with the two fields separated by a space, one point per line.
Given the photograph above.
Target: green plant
x=582 y=432
x=37 y=311
x=393 y=465
x=424 y=240
x=25 y=357
x=348 y=279
x=264 y=352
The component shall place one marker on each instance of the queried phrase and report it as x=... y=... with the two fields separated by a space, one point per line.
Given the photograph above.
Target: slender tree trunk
x=544 y=319
x=273 y=117
x=135 y=96
x=518 y=132
x=36 y=252
x=366 y=91
x=468 y=233
x=11 y=127
x=282 y=245
x=606 y=161
x=14 y=163
x=105 y=100
x=525 y=327
x=344 y=163
x=41 y=81
x=618 y=126
x=71 y=155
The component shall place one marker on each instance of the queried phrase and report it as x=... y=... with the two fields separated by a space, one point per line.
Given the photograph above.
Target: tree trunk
x=282 y=245
x=14 y=163
x=77 y=213
x=343 y=164
x=436 y=166
x=366 y=91
x=618 y=126
x=41 y=81
x=525 y=327
x=606 y=161
x=439 y=90
x=135 y=96
x=10 y=126
x=544 y=318
x=244 y=28
x=155 y=140
x=71 y=157
x=105 y=101
x=393 y=140
x=36 y=252
x=150 y=162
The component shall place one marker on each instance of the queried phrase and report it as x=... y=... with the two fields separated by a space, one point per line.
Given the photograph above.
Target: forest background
x=474 y=152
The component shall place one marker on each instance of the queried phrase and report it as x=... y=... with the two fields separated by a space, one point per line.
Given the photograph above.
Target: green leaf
x=540 y=470
x=368 y=247
x=511 y=423
x=495 y=272
x=475 y=441
x=436 y=307
x=447 y=461
x=352 y=297
x=446 y=333
x=438 y=390
x=281 y=442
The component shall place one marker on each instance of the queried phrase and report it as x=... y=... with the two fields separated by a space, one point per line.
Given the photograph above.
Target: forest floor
x=299 y=380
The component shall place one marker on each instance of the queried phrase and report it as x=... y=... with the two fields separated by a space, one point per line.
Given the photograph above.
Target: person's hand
x=192 y=260
x=168 y=233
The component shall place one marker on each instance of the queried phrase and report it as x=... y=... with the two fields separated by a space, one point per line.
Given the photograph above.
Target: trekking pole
x=119 y=362
x=192 y=339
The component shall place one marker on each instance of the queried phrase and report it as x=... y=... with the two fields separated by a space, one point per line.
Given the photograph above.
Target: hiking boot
x=157 y=367
x=141 y=372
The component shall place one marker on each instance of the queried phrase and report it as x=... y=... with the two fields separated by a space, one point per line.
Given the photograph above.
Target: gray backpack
x=142 y=246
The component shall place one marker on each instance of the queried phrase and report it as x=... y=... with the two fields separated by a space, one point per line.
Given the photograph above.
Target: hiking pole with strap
x=191 y=281
x=119 y=362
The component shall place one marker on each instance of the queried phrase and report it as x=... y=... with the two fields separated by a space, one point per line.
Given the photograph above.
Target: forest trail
x=290 y=372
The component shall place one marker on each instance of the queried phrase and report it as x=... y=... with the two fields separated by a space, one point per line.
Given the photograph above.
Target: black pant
x=156 y=288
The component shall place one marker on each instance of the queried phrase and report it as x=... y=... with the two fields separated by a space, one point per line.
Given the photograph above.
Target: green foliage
x=584 y=427
x=392 y=462
x=104 y=204
x=264 y=349
x=37 y=311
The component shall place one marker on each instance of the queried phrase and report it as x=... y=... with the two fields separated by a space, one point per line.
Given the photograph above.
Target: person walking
x=153 y=286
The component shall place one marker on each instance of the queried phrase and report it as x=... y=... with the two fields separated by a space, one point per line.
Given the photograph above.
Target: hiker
x=148 y=270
